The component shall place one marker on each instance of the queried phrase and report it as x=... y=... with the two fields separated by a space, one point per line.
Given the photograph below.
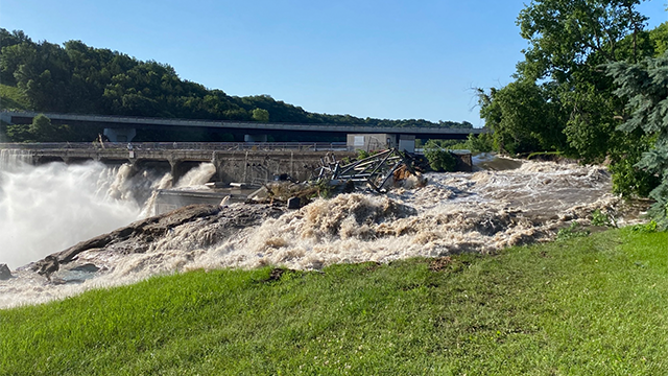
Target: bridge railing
x=183 y=121
x=226 y=146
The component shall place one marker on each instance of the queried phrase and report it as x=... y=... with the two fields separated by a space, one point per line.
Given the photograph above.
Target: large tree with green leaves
x=524 y=116
x=40 y=130
x=568 y=42
x=568 y=39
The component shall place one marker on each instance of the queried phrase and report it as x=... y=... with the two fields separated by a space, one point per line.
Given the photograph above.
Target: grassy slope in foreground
x=596 y=305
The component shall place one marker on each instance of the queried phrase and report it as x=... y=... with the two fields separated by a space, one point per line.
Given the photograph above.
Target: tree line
x=592 y=86
x=76 y=78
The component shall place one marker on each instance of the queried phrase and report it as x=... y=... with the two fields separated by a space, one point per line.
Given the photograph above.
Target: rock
x=5 y=273
x=294 y=203
x=219 y=222
x=48 y=266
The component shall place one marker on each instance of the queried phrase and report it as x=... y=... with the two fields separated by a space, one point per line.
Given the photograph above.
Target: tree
x=8 y=39
x=568 y=42
x=261 y=115
x=645 y=84
x=482 y=143
x=570 y=37
x=439 y=158
x=524 y=117
x=40 y=130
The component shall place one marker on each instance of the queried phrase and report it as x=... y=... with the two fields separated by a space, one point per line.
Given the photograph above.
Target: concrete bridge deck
x=129 y=123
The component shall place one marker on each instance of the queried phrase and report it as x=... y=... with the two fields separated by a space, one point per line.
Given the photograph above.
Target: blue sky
x=384 y=59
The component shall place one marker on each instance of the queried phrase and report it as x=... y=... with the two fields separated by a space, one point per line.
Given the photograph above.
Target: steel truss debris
x=375 y=170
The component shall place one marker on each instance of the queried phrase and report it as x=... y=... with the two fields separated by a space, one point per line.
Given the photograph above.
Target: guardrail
x=133 y=122
x=230 y=123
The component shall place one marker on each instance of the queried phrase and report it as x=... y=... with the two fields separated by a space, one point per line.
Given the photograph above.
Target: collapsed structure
x=374 y=172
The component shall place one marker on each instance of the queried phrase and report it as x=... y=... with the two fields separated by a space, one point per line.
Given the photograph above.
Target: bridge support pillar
x=255 y=138
x=120 y=134
x=219 y=162
x=177 y=170
x=407 y=143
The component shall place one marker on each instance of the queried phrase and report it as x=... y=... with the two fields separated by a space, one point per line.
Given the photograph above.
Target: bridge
x=124 y=128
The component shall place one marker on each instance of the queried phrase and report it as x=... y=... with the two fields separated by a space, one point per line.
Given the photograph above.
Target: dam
x=233 y=171
x=246 y=163
x=234 y=162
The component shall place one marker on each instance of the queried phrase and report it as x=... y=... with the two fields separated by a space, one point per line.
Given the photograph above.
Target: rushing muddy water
x=460 y=212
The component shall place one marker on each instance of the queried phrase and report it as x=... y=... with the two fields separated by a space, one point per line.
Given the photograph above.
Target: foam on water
x=11 y=159
x=198 y=176
x=479 y=212
x=47 y=208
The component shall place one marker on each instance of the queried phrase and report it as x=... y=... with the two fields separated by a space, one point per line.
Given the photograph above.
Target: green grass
x=594 y=305
x=11 y=98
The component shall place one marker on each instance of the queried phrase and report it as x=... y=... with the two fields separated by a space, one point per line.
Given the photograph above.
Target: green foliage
x=448 y=144
x=537 y=310
x=567 y=38
x=644 y=84
x=41 y=130
x=572 y=231
x=41 y=127
x=362 y=154
x=573 y=109
x=523 y=116
x=260 y=115
x=439 y=158
x=598 y=218
x=659 y=39
x=628 y=179
x=647 y=228
x=11 y=98
x=590 y=129
x=482 y=143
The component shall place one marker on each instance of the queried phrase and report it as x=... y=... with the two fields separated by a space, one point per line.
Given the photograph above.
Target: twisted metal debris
x=374 y=171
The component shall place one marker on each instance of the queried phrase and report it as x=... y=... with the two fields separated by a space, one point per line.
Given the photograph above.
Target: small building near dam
x=380 y=141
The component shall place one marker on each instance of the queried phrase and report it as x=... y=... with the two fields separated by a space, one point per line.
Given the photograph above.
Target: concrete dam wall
x=255 y=167
x=249 y=166
x=243 y=166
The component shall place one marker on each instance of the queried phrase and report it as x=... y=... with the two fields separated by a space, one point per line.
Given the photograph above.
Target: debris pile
x=378 y=172
x=375 y=173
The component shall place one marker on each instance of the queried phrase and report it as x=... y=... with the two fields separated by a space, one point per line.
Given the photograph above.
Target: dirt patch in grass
x=440 y=264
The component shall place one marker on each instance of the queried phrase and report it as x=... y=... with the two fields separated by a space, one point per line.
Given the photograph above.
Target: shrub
x=439 y=158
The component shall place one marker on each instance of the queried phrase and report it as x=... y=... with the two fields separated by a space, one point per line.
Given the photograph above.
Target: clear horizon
x=387 y=60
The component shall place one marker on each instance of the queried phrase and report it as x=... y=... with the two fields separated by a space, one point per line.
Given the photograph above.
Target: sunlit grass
x=589 y=305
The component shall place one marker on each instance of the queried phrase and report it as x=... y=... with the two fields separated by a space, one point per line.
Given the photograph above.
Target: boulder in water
x=48 y=266
x=5 y=273
x=294 y=203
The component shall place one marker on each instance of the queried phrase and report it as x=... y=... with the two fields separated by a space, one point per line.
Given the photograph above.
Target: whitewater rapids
x=459 y=212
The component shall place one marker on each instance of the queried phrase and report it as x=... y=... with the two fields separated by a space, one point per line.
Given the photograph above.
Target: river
x=45 y=209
